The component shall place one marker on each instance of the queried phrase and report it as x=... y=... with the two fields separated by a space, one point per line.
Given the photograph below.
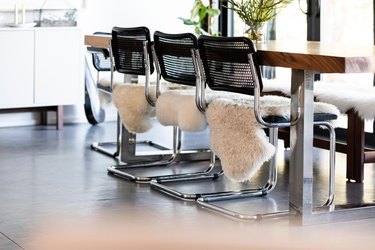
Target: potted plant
x=255 y=13
x=201 y=17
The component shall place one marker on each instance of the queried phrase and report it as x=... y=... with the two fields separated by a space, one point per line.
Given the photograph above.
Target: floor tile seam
x=11 y=240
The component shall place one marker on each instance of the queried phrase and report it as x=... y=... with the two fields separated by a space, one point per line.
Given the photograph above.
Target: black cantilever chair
x=229 y=64
x=174 y=63
x=130 y=48
x=102 y=62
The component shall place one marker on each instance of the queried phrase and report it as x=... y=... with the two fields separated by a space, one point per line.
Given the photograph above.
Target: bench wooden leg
x=355 y=147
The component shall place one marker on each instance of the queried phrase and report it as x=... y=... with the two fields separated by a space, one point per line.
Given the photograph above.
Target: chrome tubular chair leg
x=332 y=161
x=120 y=170
x=159 y=183
x=243 y=217
x=128 y=149
x=225 y=195
x=102 y=147
x=204 y=201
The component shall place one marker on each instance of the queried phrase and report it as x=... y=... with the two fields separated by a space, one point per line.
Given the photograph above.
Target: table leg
x=301 y=136
x=301 y=167
x=355 y=155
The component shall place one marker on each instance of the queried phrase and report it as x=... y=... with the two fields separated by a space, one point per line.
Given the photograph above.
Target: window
x=290 y=24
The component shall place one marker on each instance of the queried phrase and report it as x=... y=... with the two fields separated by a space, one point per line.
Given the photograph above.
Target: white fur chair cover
x=178 y=108
x=134 y=110
x=105 y=99
x=238 y=139
x=276 y=86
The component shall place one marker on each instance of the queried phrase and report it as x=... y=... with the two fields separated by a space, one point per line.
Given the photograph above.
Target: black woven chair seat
x=318 y=117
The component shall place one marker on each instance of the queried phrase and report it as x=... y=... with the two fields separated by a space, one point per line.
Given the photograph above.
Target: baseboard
x=72 y=115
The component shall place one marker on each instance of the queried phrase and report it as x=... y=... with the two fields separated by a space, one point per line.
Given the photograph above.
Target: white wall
x=155 y=14
x=99 y=15
x=102 y=15
x=348 y=22
x=351 y=22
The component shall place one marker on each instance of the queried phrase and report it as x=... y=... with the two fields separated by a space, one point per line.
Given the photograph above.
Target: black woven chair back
x=226 y=64
x=175 y=57
x=100 y=56
x=127 y=48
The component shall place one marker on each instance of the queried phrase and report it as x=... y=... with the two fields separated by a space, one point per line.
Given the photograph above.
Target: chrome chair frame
x=205 y=200
x=190 y=155
x=200 y=99
x=102 y=147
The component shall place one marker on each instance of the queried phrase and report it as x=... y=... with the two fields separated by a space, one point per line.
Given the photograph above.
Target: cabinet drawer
x=16 y=68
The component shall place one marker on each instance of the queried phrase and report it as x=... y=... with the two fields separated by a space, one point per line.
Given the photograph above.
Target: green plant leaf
x=196 y=9
x=200 y=15
x=213 y=12
x=188 y=21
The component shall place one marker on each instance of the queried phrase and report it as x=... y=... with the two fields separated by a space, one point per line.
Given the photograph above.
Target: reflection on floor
x=49 y=176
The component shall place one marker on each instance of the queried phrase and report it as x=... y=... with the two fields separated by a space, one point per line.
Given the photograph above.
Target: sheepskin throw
x=238 y=139
x=136 y=113
x=272 y=85
x=105 y=99
x=347 y=96
x=134 y=110
x=178 y=108
x=343 y=95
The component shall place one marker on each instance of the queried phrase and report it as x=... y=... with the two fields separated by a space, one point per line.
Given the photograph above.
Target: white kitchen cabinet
x=41 y=67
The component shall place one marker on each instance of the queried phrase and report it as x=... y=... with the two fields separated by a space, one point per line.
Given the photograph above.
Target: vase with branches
x=255 y=13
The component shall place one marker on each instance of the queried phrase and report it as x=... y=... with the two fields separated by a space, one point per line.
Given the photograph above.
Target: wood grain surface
x=315 y=56
x=97 y=41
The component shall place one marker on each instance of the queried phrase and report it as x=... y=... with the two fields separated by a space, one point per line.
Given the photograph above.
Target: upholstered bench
x=357 y=102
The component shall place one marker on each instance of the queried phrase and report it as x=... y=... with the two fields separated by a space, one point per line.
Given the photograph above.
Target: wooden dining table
x=332 y=58
x=97 y=41
x=306 y=59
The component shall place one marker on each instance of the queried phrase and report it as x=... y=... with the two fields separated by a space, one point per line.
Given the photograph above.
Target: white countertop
x=6 y=28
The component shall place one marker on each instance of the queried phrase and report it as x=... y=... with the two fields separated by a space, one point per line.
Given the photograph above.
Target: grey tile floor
x=45 y=173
